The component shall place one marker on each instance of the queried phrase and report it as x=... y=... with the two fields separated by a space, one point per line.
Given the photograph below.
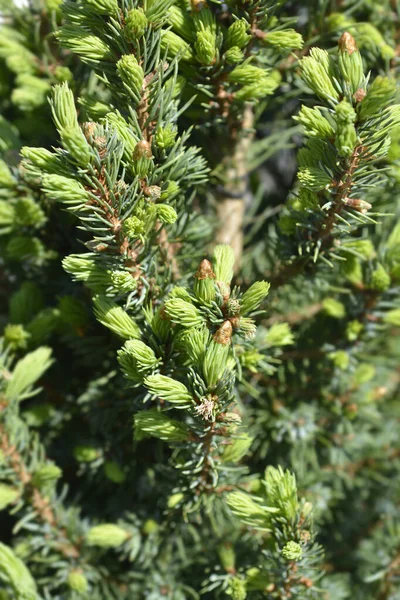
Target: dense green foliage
x=199 y=300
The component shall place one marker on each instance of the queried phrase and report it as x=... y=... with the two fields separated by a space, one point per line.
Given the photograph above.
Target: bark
x=231 y=200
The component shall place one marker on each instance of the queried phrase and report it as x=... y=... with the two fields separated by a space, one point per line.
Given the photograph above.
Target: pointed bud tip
x=223 y=335
x=205 y=270
x=347 y=43
x=142 y=150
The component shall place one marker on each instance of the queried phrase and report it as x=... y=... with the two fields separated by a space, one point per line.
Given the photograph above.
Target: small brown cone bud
x=198 y=5
x=347 y=43
x=153 y=191
x=359 y=95
x=205 y=270
x=223 y=335
x=359 y=205
x=142 y=150
x=89 y=129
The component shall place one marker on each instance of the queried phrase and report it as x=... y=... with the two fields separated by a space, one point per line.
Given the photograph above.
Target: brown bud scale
x=347 y=43
x=223 y=335
x=205 y=270
x=142 y=150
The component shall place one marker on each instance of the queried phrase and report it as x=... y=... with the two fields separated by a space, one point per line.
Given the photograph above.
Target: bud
x=152 y=191
x=63 y=107
x=261 y=89
x=171 y=191
x=251 y=359
x=180 y=292
x=227 y=556
x=15 y=337
x=363 y=247
x=237 y=448
x=123 y=132
x=175 y=499
x=205 y=46
x=252 y=299
x=86 y=453
x=363 y=373
x=380 y=279
x=83 y=268
x=8 y=494
x=65 y=190
x=166 y=213
x=352 y=270
x=340 y=358
x=169 y=390
x=204 y=287
x=292 y=551
x=7 y=216
x=136 y=360
x=31 y=93
x=157 y=10
x=224 y=260
x=135 y=24
x=350 y=63
x=279 y=334
x=360 y=206
x=215 y=362
x=150 y=526
x=333 y=308
x=246 y=74
x=315 y=70
x=77 y=581
x=28 y=213
x=104 y=7
x=232 y=307
x=237 y=34
x=247 y=327
x=381 y=94
x=134 y=227
x=346 y=136
x=353 y=330
x=237 y=589
x=123 y=282
x=152 y=423
x=165 y=137
x=15 y=574
x=115 y=318
x=113 y=472
x=223 y=335
x=175 y=46
x=23 y=247
x=132 y=76
x=107 y=535
x=314 y=123
x=42 y=158
x=89 y=47
x=76 y=144
x=6 y=178
x=234 y=55
x=43 y=324
x=142 y=156
x=47 y=474
x=287 y=39
x=181 y=23
x=183 y=313
x=392 y=317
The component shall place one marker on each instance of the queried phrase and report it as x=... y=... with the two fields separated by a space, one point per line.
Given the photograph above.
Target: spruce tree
x=199 y=300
